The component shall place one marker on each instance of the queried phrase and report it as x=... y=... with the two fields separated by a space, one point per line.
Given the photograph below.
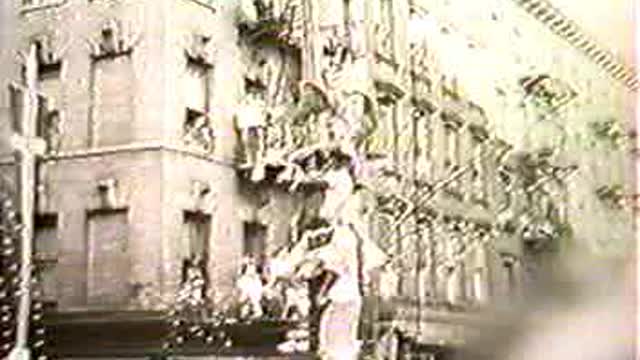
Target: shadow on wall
x=584 y=309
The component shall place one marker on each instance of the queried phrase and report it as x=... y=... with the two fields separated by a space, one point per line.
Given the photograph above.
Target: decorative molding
x=113 y=40
x=203 y=195
x=567 y=29
x=200 y=50
x=49 y=50
x=108 y=192
x=548 y=92
x=41 y=5
x=389 y=89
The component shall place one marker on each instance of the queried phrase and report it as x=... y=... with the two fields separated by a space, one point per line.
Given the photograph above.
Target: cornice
x=8 y=159
x=25 y=9
x=567 y=29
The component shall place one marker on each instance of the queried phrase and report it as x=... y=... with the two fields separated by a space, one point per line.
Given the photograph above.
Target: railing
x=280 y=19
x=290 y=130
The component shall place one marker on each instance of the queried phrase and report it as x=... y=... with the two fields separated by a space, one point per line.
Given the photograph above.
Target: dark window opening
x=254 y=243
x=46 y=238
x=198 y=228
x=45 y=258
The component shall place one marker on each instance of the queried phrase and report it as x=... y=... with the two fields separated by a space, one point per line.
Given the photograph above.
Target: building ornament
x=113 y=40
x=203 y=196
x=108 y=193
x=50 y=50
x=549 y=94
x=200 y=50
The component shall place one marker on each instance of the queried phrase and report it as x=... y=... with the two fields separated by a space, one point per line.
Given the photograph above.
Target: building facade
x=494 y=143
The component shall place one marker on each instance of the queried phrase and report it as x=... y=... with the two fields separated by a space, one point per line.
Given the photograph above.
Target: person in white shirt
x=348 y=257
x=251 y=289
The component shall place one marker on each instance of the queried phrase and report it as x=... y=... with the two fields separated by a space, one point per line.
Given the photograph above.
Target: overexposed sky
x=610 y=22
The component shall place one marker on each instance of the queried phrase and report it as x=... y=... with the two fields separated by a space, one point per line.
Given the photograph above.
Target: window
x=16 y=99
x=452 y=141
x=383 y=28
x=197 y=129
x=197 y=227
x=452 y=160
x=49 y=64
x=511 y=275
x=45 y=250
x=479 y=286
x=196 y=86
x=478 y=174
x=46 y=234
x=49 y=125
x=386 y=131
x=346 y=13
x=255 y=235
x=456 y=285
x=112 y=92
x=108 y=257
x=424 y=143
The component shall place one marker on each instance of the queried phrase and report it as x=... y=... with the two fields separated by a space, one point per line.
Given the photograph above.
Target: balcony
x=291 y=140
x=280 y=21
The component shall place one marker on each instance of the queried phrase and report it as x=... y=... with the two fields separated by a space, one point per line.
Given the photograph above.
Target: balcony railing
x=280 y=19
